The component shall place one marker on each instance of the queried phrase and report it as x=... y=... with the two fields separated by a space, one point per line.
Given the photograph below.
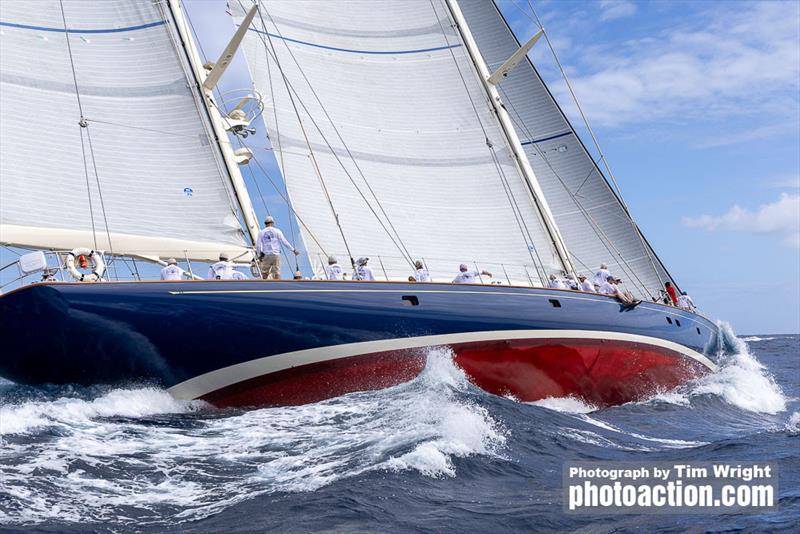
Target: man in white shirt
x=268 y=248
x=363 y=272
x=556 y=283
x=685 y=302
x=466 y=276
x=172 y=271
x=333 y=271
x=585 y=285
x=611 y=288
x=570 y=282
x=601 y=276
x=421 y=274
x=222 y=270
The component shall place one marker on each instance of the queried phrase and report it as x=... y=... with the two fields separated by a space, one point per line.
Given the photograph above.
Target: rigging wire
x=524 y=230
x=338 y=135
x=291 y=89
x=83 y=124
x=618 y=193
x=599 y=232
x=305 y=136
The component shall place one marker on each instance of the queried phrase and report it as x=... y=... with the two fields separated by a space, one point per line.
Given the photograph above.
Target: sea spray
x=126 y=453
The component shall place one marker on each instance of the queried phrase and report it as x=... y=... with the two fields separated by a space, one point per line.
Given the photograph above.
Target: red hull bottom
x=602 y=372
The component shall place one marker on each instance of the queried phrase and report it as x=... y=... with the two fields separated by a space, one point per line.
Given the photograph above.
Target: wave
x=129 y=454
x=757 y=338
x=566 y=404
x=740 y=381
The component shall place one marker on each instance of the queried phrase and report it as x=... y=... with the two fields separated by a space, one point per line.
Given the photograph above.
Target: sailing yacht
x=404 y=130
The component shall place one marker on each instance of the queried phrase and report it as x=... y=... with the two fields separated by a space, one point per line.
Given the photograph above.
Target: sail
x=595 y=225
x=144 y=177
x=387 y=142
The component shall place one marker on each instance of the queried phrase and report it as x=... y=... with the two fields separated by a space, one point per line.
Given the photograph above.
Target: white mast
x=511 y=135
x=239 y=187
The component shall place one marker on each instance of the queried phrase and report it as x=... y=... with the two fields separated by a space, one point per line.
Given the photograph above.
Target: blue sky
x=697 y=108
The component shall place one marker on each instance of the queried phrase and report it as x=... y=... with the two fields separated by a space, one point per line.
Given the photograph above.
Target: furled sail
x=143 y=175
x=595 y=225
x=387 y=142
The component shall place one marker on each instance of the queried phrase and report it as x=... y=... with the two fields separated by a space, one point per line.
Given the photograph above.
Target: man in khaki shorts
x=268 y=248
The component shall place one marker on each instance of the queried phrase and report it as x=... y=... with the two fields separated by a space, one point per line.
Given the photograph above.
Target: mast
x=511 y=136
x=239 y=187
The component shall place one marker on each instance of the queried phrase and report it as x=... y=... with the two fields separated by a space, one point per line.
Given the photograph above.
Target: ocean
x=435 y=454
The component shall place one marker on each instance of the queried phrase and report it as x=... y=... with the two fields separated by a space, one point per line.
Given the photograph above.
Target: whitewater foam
x=566 y=405
x=103 y=458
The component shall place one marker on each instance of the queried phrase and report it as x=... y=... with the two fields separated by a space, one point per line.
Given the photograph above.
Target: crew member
x=222 y=270
x=570 y=282
x=172 y=271
x=685 y=302
x=333 y=271
x=556 y=283
x=466 y=276
x=268 y=248
x=673 y=296
x=601 y=276
x=585 y=285
x=363 y=272
x=421 y=274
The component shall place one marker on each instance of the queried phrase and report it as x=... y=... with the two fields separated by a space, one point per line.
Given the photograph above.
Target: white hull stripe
x=227 y=376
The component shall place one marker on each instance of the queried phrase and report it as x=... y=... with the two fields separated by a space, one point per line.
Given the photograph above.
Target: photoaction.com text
x=626 y=488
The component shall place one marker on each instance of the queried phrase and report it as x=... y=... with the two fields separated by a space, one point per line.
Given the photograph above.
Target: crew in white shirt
x=556 y=283
x=222 y=270
x=601 y=276
x=172 y=271
x=421 y=274
x=585 y=285
x=466 y=276
x=685 y=302
x=570 y=282
x=333 y=271
x=363 y=272
x=268 y=248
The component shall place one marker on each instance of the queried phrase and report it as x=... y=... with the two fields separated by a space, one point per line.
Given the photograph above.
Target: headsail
x=594 y=223
x=387 y=142
x=144 y=171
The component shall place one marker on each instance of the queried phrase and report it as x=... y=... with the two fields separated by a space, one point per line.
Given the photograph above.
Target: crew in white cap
x=556 y=283
x=333 y=271
x=685 y=302
x=467 y=276
x=570 y=282
x=268 y=248
x=172 y=271
x=363 y=272
x=222 y=270
x=421 y=273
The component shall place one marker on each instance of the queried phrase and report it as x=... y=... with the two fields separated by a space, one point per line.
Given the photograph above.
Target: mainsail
x=387 y=142
x=141 y=174
x=596 y=226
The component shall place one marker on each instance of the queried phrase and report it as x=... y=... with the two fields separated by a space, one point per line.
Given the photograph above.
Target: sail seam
x=75 y=30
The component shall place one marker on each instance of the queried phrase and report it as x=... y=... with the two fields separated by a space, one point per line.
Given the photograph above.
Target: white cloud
x=616 y=9
x=781 y=217
x=733 y=60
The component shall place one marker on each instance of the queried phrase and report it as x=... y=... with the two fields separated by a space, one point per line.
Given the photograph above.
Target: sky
x=696 y=106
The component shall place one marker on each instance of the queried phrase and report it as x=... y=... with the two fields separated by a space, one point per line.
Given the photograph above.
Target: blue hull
x=172 y=333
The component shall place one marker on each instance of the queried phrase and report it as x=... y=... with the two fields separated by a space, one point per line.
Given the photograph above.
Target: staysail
x=105 y=139
x=387 y=142
x=596 y=226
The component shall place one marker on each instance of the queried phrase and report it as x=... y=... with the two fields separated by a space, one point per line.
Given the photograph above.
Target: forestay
x=154 y=175
x=383 y=83
x=595 y=225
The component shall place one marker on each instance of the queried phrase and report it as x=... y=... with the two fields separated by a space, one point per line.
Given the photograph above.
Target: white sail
x=145 y=176
x=595 y=225
x=392 y=89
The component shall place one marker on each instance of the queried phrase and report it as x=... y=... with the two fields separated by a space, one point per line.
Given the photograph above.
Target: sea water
x=432 y=454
